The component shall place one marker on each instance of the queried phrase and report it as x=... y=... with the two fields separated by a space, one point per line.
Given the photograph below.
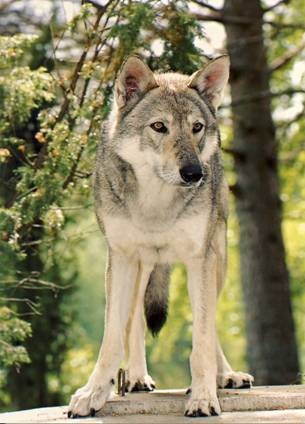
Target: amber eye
x=197 y=127
x=159 y=127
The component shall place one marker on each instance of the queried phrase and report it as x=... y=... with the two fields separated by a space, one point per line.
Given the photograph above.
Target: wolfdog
x=161 y=197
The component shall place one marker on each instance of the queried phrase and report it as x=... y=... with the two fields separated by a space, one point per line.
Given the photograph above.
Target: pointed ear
x=135 y=78
x=211 y=80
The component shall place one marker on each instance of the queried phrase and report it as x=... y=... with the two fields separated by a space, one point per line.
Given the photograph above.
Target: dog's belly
x=183 y=240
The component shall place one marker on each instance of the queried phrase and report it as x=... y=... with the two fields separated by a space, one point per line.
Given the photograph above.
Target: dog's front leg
x=203 y=292
x=120 y=282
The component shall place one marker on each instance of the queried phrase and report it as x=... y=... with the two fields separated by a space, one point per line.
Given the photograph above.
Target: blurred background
x=58 y=62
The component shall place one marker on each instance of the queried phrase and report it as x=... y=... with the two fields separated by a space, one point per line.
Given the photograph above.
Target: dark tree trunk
x=272 y=351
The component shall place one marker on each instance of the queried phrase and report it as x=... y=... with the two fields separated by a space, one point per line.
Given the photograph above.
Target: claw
x=246 y=385
x=199 y=413
x=146 y=388
x=202 y=414
x=213 y=412
x=69 y=414
x=229 y=384
x=140 y=387
x=235 y=380
x=188 y=391
x=92 y=412
x=135 y=388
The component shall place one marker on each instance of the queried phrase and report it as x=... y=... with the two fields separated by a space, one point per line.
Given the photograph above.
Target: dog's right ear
x=134 y=79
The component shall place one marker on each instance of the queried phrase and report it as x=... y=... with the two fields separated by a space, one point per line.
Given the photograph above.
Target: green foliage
x=13 y=49
x=136 y=18
x=180 y=35
x=12 y=330
x=22 y=91
x=9 y=224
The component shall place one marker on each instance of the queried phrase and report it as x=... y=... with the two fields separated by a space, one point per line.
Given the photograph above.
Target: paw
x=234 y=380
x=202 y=406
x=87 y=400
x=140 y=384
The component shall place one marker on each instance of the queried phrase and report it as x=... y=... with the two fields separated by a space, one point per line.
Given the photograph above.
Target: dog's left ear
x=134 y=79
x=210 y=81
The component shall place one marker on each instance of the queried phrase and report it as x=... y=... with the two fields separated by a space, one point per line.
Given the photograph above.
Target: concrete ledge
x=173 y=401
x=274 y=404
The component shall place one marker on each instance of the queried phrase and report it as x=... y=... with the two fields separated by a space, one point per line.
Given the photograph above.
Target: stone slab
x=273 y=404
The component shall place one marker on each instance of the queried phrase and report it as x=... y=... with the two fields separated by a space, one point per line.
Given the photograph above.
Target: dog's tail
x=156 y=298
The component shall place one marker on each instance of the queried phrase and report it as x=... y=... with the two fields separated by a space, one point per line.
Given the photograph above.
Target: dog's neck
x=157 y=204
x=154 y=197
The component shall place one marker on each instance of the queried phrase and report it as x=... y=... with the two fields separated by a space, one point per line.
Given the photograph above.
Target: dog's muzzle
x=191 y=174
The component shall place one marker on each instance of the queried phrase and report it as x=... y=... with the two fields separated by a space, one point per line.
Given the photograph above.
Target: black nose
x=191 y=173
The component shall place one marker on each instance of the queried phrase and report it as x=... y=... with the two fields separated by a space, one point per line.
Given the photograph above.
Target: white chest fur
x=153 y=229
x=184 y=240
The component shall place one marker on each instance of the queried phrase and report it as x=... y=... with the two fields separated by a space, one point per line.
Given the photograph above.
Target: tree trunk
x=272 y=351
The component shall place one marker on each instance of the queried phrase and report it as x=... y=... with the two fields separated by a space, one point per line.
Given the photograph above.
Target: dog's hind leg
x=226 y=377
x=121 y=278
x=138 y=378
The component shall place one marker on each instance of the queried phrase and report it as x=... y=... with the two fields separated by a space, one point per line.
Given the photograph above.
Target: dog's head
x=168 y=121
